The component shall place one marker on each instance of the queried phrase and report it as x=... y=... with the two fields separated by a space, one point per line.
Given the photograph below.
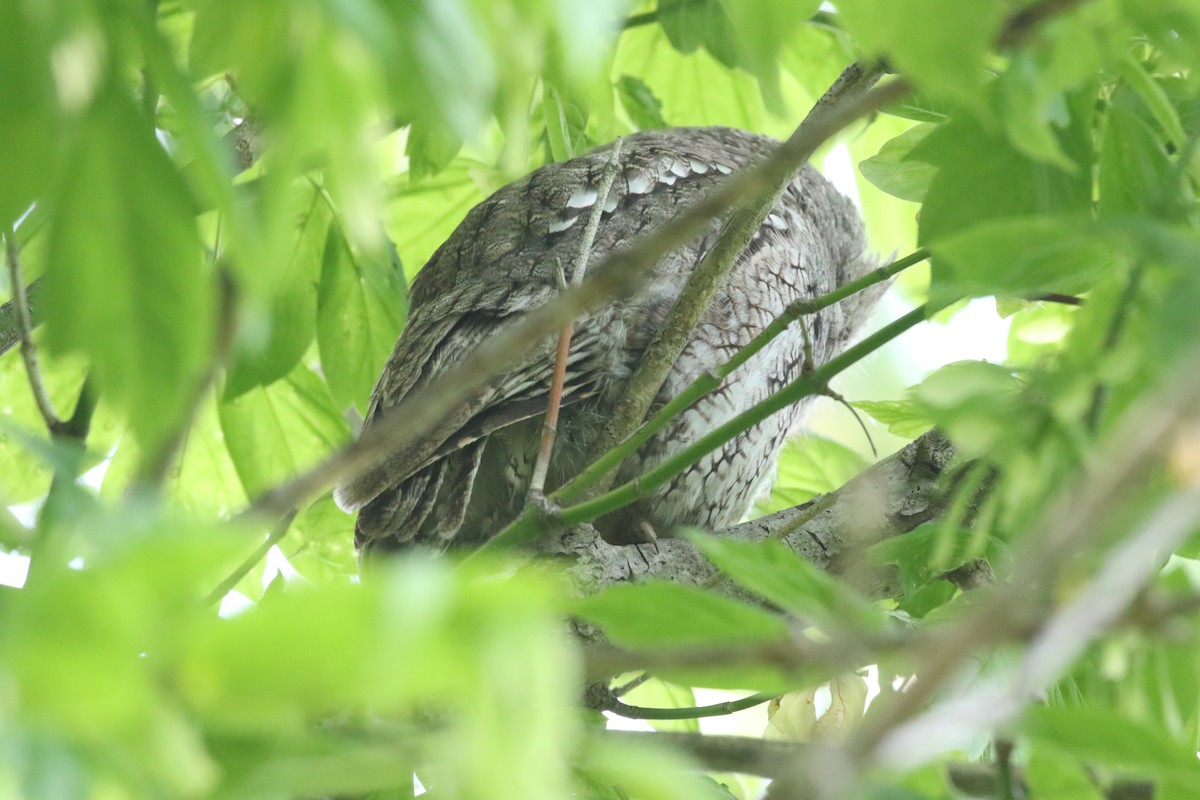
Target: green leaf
x=811 y=465
x=1037 y=330
x=892 y=171
x=1134 y=167
x=126 y=285
x=661 y=614
x=940 y=44
x=1032 y=92
x=963 y=381
x=690 y=26
x=696 y=89
x=30 y=128
x=1021 y=256
x=1173 y=25
x=275 y=431
x=320 y=544
x=926 y=552
x=362 y=302
x=776 y=574
x=430 y=148
x=1053 y=774
x=24 y=444
x=901 y=417
x=203 y=479
x=1102 y=736
x=977 y=403
x=761 y=29
x=982 y=177
x=272 y=340
x=639 y=102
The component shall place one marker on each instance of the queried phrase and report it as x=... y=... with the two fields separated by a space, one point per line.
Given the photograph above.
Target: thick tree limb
x=890 y=498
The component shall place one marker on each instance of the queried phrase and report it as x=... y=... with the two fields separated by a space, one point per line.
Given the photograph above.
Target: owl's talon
x=538 y=499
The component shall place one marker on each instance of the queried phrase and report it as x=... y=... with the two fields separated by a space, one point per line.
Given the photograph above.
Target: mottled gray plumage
x=507 y=257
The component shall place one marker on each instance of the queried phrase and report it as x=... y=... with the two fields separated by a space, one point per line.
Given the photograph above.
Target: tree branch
x=243 y=569
x=890 y=498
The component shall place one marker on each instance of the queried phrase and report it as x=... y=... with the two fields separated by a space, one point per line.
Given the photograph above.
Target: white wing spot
x=610 y=205
x=639 y=183
x=777 y=222
x=668 y=178
x=679 y=168
x=561 y=224
x=724 y=170
x=698 y=167
x=582 y=198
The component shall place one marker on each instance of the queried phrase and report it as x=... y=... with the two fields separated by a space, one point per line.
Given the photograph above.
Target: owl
x=508 y=257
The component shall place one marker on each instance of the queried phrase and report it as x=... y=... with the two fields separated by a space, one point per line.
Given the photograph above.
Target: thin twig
x=234 y=578
x=629 y=686
x=25 y=334
x=610 y=703
x=550 y=423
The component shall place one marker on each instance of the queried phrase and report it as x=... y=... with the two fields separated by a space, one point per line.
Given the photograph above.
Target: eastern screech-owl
x=507 y=257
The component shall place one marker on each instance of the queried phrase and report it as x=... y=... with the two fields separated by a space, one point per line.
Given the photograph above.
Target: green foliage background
x=232 y=324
